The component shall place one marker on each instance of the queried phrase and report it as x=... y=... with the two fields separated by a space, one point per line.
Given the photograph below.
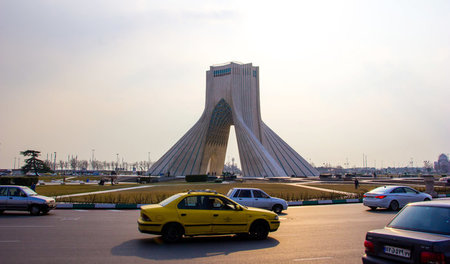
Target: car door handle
x=183 y=214
x=10 y=198
x=256 y=199
x=215 y=215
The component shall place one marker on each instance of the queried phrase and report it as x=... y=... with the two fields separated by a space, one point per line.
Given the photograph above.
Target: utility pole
x=93 y=159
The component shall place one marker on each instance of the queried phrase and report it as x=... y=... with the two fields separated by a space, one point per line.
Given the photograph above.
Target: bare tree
x=73 y=163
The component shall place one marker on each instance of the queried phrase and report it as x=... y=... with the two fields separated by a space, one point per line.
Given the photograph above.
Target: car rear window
x=379 y=190
x=428 y=219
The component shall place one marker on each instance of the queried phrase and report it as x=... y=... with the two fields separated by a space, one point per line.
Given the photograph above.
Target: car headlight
x=276 y=217
x=145 y=217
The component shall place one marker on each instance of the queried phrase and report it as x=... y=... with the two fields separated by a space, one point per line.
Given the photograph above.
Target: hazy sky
x=337 y=78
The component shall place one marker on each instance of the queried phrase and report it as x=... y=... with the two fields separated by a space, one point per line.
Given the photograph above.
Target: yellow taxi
x=204 y=212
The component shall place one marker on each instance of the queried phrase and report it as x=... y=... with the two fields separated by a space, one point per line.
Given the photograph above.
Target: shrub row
x=196 y=178
x=24 y=181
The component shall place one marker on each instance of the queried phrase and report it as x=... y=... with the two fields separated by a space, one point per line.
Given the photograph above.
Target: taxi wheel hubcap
x=172 y=233
x=259 y=231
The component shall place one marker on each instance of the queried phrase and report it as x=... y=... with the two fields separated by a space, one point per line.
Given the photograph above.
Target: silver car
x=393 y=197
x=21 y=198
x=254 y=197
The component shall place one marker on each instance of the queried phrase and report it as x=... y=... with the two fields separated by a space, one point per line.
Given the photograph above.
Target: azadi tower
x=232 y=98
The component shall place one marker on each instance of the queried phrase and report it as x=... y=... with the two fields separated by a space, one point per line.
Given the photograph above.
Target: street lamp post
x=93 y=159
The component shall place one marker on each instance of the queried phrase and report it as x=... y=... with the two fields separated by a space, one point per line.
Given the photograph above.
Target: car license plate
x=401 y=252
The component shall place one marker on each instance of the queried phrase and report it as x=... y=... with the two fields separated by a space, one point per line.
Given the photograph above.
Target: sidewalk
x=302 y=185
x=107 y=191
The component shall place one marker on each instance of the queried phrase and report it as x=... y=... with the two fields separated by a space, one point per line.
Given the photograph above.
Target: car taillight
x=380 y=196
x=369 y=246
x=364 y=196
x=432 y=258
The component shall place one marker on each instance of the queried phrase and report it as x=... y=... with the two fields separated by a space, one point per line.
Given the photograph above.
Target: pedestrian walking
x=356 y=183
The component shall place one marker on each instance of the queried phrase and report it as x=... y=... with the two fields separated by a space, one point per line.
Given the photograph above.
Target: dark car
x=419 y=233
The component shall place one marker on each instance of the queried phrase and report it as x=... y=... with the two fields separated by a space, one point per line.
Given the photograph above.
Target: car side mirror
x=238 y=208
x=23 y=194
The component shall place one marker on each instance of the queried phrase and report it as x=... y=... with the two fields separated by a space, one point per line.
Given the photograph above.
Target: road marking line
x=26 y=226
x=308 y=259
x=70 y=218
x=9 y=241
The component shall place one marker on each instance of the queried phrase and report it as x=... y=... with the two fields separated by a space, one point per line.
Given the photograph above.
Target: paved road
x=309 y=234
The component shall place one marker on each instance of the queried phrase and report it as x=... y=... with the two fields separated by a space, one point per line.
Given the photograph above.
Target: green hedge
x=24 y=181
x=196 y=178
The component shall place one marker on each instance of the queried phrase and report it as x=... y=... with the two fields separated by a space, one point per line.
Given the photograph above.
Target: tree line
x=36 y=165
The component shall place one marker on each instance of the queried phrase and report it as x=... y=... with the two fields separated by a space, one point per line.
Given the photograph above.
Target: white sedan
x=393 y=197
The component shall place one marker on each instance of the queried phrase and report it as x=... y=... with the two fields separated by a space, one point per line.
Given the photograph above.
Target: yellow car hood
x=254 y=209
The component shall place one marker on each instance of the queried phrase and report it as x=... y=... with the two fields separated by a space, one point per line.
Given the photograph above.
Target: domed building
x=442 y=165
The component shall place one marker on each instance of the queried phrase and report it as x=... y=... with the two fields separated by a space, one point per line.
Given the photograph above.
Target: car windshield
x=428 y=219
x=170 y=199
x=29 y=192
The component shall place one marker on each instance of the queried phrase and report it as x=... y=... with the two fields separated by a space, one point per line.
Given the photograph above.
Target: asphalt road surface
x=308 y=234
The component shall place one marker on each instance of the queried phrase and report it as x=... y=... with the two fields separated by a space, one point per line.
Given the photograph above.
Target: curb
x=322 y=202
x=97 y=206
x=138 y=206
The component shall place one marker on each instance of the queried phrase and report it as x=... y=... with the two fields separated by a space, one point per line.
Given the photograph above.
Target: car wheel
x=394 y=205
x=35 y=210
x=172 y=233
x=373 y=208
x=427 y=199
x=1 y=211
x=259 y=230
x=277 y=208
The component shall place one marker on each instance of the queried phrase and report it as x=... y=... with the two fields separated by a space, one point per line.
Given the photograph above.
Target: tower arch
x=232 y=98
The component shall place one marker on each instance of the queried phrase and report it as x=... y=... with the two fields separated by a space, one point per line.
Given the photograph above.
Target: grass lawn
x=159 y=192
x=54 y=190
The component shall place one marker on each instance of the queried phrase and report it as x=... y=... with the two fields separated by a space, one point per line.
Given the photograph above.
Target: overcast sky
x=337 y=78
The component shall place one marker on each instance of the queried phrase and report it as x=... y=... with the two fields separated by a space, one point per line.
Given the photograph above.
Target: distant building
x=442 y=165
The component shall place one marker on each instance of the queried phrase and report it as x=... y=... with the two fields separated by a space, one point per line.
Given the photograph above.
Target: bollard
x=429 y=185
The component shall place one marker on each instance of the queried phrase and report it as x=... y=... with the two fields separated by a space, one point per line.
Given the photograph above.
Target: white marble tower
x=232 y=98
